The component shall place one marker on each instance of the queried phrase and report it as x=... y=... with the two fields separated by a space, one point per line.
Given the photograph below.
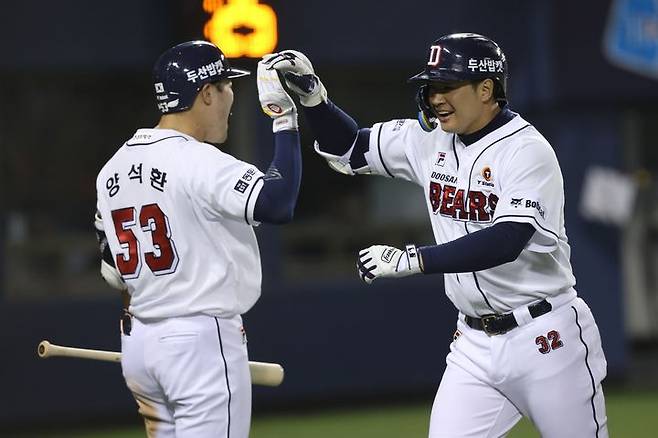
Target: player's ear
x=486 y=90
x=205 y=94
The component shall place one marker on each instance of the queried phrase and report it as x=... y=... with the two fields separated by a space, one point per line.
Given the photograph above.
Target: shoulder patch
x=241 y=186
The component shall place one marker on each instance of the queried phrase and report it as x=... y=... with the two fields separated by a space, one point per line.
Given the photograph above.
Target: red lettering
x=447 y=208
x=449 y=201
x=435 y=196
x=493 y=201
x=458 y=205
x=477 y=207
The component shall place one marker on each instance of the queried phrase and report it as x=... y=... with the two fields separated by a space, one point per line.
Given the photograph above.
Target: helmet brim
x=420 y=77
x=237 y=73
x=438 y=76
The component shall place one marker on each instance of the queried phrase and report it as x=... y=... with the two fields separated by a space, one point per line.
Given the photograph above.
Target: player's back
x=179 y=226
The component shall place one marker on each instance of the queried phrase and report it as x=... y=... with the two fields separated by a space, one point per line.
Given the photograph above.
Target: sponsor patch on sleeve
x=241 y=186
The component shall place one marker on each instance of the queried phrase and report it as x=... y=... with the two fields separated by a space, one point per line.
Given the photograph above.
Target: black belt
x=499 y=324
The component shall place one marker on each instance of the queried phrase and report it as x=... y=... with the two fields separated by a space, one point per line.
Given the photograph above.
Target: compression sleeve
x=336 y=131
x=484 y=249
x=278 y=197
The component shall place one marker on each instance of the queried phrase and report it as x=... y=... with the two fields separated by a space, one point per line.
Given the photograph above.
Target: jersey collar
x=504 y=116
x=146 y=136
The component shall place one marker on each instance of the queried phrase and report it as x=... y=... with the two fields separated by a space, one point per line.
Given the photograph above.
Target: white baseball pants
x=189 y=376
x=554 y=380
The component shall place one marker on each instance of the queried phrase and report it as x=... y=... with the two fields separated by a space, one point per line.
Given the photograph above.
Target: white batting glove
x=380 y=261
x=299 y=75
x=274 y=100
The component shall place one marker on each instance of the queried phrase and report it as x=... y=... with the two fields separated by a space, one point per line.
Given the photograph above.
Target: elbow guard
x=112 y=276
x=109 y=271
x=355 y=154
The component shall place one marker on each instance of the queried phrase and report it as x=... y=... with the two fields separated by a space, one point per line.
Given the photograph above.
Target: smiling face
x=463 y=107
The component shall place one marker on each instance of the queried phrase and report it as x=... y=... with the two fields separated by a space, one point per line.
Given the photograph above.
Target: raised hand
x=299 y=75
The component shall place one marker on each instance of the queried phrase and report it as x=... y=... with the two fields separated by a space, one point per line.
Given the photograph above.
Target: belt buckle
x=486 y=321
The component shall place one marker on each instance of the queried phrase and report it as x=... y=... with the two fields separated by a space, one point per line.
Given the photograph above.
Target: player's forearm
x=333 y=128
x=336 y=132
x=494 y=246
x=278 y=197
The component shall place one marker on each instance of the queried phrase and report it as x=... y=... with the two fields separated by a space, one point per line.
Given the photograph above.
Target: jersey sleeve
x=225 y=186
x=532 y=192
x=391 y=151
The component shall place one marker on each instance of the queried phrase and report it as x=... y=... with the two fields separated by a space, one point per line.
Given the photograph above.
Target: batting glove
x=386 y=261
x=274 y=100
x=299 y=75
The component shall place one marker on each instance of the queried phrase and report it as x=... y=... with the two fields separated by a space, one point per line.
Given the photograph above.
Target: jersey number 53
x=162 y=260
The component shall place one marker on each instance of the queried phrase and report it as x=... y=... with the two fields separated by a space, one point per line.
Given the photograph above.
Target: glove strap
x=286 y=122
x=413 y=260
x=316 y=98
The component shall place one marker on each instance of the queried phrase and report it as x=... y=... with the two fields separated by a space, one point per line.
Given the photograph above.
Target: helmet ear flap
x=426 y=116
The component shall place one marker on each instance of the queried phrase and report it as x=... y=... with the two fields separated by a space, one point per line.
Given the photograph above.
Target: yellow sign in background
x=241 y=27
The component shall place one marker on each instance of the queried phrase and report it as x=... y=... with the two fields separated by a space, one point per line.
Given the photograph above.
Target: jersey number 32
x=162 y=260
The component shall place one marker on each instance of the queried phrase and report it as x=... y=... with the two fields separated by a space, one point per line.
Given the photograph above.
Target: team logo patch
x=243 y=332
x=516 y=202
x=486 y=173
x=159 y=87
x=441 y=159
x=241 y=186
x=435 y=53
x=456 y=335
x=276 y=109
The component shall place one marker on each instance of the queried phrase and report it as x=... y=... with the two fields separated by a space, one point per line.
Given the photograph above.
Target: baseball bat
x=262 y=373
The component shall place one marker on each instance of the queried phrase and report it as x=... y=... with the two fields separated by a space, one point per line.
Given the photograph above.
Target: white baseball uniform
x=178 y=216
x=550 y=367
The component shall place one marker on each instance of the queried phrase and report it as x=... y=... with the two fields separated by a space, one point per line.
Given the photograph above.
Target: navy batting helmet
x=181 y=71
x=460 y=57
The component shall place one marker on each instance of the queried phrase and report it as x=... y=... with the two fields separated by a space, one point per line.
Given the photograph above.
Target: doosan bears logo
x=475 y=206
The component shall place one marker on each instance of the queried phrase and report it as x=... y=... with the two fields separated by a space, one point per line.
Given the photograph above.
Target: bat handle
x=42 y=349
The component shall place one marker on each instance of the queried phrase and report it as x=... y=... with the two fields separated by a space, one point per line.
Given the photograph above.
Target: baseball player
x=526 y=344
x=175 y=217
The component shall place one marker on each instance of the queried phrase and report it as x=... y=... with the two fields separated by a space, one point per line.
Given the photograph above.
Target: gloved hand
x=386 y=261
x=299 y=75
x=274 y=100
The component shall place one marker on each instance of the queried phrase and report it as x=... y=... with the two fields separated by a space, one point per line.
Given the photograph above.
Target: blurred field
x=630 y=415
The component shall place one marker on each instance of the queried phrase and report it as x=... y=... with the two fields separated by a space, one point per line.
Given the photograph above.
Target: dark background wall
x=74 y=83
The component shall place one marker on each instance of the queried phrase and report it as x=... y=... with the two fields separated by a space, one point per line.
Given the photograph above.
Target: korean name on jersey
x=178 y=216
